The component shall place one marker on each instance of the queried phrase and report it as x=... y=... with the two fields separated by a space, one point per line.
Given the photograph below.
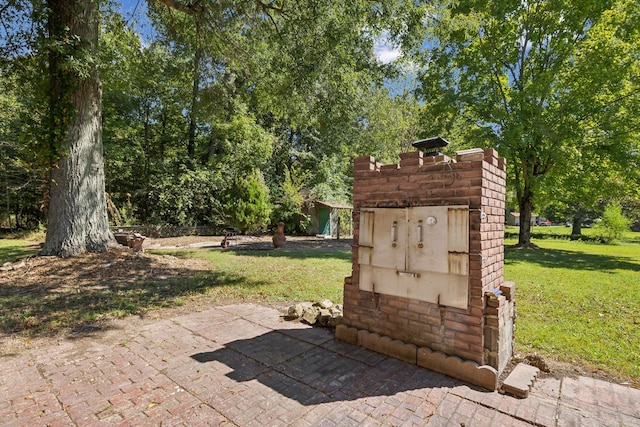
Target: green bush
x=613 y=223
x=247 y=204
x=288 y=205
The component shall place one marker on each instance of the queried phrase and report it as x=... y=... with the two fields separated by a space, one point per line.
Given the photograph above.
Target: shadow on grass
x=15 y=252
x=558 y=258
x=297 y=249
x=75 y=297
x=294 y=253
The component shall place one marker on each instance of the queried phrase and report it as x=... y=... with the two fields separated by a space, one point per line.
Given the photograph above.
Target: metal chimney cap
x=431 y=145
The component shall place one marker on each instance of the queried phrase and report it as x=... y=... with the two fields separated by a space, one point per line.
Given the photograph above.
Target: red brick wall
x=477 y=179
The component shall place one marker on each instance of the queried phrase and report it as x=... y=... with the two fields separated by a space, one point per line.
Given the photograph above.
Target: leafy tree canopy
x=541 y=81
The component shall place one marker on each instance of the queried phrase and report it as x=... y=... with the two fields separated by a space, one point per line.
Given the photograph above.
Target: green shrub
x=288 y=205
x=247 y=204
x=613 y=223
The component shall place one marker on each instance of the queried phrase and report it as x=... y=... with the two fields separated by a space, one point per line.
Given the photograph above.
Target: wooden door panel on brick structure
x=419 y=253
x=383 y=236
x=388 y=239
x=436 y=232
x=365 y=247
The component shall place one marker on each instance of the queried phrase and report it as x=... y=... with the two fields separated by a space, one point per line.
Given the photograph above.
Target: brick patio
x=243 y=365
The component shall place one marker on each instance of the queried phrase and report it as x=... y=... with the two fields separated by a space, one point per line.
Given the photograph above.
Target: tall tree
x=77 y=214
x=195 y=95
x=581 y=189
x=534 y=79
x=185 y=34
x=19 y=179
x=302 y=64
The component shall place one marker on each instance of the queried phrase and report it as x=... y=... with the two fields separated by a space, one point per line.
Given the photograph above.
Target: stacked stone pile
x=321 y=313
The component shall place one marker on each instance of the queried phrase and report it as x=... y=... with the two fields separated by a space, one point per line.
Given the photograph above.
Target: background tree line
x=235 y=112
x=221 y=118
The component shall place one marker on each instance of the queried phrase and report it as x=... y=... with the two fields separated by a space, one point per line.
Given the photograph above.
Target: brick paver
x=244 y=365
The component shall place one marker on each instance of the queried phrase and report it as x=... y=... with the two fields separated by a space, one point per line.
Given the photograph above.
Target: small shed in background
x=330 y=219
x=513 y=218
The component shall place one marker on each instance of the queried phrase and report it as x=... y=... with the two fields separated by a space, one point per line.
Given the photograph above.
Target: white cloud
x=385 y=50
x=386 y=53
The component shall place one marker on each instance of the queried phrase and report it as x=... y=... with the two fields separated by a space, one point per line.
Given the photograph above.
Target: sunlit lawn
x=13 y=249
x=278 y=275
x=564 y=232
x=579 y=302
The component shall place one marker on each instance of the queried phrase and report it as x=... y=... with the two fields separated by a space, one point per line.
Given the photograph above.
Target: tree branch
x=271 y=6
x=194 y=9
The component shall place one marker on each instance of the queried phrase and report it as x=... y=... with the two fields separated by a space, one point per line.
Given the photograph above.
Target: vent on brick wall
x=431 y=146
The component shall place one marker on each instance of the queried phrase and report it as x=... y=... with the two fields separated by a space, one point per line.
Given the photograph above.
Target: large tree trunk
x=77 y=215
x=576 y=226
x=525 y=202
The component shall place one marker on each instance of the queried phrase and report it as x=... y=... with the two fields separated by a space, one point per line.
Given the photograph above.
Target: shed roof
x=333 y=205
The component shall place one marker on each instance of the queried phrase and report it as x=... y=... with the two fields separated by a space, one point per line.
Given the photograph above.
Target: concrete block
x=398 y=349
x=487 y=377
x=520 y=380
x=369 y=340
x=473 y=154
x=508 y=289
x=404 y=351
x=465 y=370
x=347 y=333
x=434 y=360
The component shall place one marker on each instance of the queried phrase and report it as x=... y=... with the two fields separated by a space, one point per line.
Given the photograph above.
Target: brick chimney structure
x=427 y=281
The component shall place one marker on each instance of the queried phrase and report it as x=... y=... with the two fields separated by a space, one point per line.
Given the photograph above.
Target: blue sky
x=134 y=9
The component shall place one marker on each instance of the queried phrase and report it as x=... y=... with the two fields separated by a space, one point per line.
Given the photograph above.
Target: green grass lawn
x=276 y=275
x=562 y=232
x=14 y=249
x=579 y=302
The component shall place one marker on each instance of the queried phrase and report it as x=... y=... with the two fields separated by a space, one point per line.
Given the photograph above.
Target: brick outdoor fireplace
x=427 y=282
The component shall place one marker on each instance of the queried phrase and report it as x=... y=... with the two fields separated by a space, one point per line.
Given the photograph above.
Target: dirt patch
x=36 y=293
x=45 y=291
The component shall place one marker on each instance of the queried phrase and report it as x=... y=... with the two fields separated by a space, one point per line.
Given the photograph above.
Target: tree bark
x=77 y=215
x=576 y=226
x=525 y=202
